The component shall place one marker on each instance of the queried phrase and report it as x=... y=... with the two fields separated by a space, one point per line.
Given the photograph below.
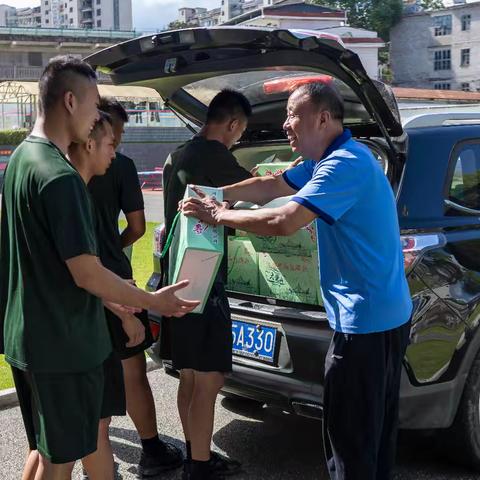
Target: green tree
x=176 y=24
x=431 y=4
x=378 y=15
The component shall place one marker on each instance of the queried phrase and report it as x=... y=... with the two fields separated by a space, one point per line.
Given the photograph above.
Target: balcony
x=87 y=6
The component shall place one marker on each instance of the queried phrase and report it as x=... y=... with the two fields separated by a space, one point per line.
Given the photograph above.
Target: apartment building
x=227 y=10
x=438 y=49
x=101 y=14
x=6 y=13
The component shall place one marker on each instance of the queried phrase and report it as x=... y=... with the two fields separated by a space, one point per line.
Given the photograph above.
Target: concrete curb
x=9 y=399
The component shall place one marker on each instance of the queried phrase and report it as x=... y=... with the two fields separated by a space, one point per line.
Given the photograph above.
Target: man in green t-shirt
x=54 y=333
x=119 y=191
x=201 y=344
x=94 y=158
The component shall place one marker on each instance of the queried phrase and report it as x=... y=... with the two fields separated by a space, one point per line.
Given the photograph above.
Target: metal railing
x=68 y=32
x=32 y=74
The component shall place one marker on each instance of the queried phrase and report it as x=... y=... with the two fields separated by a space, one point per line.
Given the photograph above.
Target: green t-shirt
x=49 y=324
x=117 y=190
x=199 y=162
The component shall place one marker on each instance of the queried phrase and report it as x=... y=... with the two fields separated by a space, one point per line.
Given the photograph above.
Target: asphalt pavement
x=153 y=205
x=271 y=444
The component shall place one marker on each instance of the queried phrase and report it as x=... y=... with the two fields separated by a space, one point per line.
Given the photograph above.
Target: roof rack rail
x=442 y=119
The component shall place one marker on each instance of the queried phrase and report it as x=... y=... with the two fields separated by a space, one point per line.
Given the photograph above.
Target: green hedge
x=13 y=137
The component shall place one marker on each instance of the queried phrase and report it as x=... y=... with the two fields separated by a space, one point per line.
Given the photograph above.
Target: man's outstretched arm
x=88 y=273
x=282 y=221
x=258 y=190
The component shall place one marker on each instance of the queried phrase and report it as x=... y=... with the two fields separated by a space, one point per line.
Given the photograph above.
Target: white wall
x=369 y=57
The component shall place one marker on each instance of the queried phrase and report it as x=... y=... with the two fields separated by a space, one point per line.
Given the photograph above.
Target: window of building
x=441 y=86
x=466 y=22
x=465 y=86
x=71 y=9
x=442 y=60
x=99 y=11
x=465 y=57
x=442 y=25
x=46 y=2
x=47 y=12
x=99 y=2
x=99 y=23
x=71 y=21
x=465 y=187
x=47 y=21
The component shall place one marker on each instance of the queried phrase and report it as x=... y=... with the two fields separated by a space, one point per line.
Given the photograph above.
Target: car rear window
x=263 y=87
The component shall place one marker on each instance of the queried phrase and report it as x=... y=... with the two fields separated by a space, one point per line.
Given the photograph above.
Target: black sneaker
x=224 y=466
x=167 y=458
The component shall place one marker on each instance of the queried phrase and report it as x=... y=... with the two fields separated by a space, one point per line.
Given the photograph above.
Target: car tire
x=464 y=436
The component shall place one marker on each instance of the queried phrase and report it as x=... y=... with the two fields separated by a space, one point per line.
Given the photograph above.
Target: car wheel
x=464 y=436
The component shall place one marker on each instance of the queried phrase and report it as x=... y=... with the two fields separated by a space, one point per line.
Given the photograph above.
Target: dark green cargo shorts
x=61 y=411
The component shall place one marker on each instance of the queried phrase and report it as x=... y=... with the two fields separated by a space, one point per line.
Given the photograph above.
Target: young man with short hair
x=119 y=191
x=93 y=158
x=201 y=345
x=54 y=333
x=363 y=282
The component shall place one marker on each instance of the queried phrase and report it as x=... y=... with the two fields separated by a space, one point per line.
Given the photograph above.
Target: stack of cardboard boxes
x=285 y=268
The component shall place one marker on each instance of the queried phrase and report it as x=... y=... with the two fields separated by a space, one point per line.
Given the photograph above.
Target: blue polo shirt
x=361 y=262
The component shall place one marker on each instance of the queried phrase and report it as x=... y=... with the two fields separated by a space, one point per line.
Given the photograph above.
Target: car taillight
x=155 y=329
x=414 y=246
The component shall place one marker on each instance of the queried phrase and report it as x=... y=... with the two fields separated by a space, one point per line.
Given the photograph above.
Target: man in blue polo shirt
x=363 y=282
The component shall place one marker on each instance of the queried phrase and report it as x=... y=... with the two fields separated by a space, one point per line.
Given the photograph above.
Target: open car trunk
x=189 y=67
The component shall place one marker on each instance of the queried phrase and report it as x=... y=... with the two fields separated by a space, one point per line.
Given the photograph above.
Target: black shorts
x=114 y=402
x=203 y=341
x=61 y=411
x=120 y=338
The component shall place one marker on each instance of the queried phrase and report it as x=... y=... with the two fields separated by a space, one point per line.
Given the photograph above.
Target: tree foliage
x=13 y=137
x=431 y=4
x=177 y=24
x=377 y=15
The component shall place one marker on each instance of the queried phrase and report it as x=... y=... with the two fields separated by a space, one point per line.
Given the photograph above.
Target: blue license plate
x=254 y=341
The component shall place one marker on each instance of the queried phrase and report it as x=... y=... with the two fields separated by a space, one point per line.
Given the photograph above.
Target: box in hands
x=242 y=266
x=196 y=254
x=290 y=277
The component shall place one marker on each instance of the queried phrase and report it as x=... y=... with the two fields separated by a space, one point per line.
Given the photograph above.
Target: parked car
x=433 y=165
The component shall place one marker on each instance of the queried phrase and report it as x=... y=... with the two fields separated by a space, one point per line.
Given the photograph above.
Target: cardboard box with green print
x=196 y=253
x=291 y=278
x=242 y=270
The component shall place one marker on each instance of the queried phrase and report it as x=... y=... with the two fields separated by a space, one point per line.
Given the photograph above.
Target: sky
x=147 y=14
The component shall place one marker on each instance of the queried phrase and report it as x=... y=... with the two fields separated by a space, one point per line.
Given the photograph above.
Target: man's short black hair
x=60 y=76
x=98 y=130
x=228 y=104
x=324 y=97
x=114 y=108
